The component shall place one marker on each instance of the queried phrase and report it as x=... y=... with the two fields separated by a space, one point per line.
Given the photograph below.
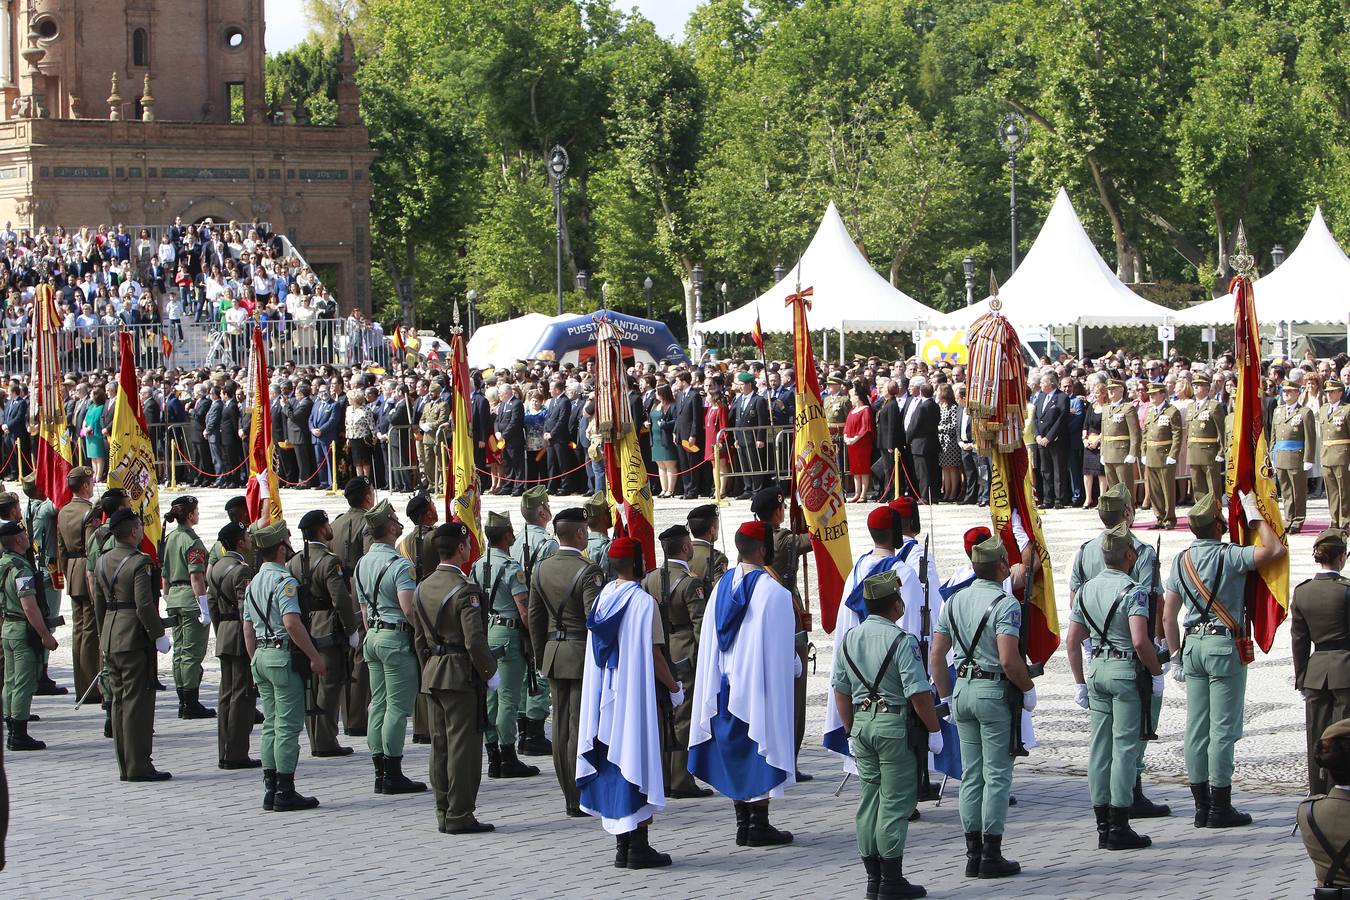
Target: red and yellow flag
x=1010 y=492
x=1267 y=598
x=262 y=474
x=757 y=335
x=48 y=409
x=630 y=492
x=463 y=500
x=131 y=458
x=815 y=471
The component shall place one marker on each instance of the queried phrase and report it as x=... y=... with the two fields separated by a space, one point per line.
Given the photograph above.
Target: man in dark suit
x=231 y=440
x=510 y=427
x=211 y=425
x=298 y=409
x=15 y=423
x=749 y=410
x=481 y=426
x=322 y=432
x=921 y=435
x=890 y=436
x=282 y=392
x=577 y=482
x=976 y=467
x=688 y=433
x=1052 y=417
x=557 y=436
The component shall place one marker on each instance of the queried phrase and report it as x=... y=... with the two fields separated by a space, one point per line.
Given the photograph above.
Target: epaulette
x=1306 y=581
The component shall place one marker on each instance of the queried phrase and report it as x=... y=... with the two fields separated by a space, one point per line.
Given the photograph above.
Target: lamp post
x=604 y=293
x=948 y=282
x=647 y=286
x=405 y=300
x=968 y=267
x=583 y=281
x=1276 y=256
x=1012 y=133
x=698 y=293
x=778 y=272
x=558 y=164
x=472 y=297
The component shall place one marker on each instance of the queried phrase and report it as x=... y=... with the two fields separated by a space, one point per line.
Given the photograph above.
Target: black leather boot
x=872 y=865
x=522 y=731
x=395 y=782
x=287 y=799
x=894 y=886
x=269 y=788
x=992 y=863
x=494 y=755
x=1142 y=807
x=535 y=744
x=512 y=767
x=107 y=720
x=1221 y=812
x=190 y=707
x=974 y=848
x=621 y=842
x=760 y=833
x=640 y=853
x=1200 y=793
x=378 y=760
x=1122 y=836
x=742 y=821
x=19 y=739
x=1103 y=814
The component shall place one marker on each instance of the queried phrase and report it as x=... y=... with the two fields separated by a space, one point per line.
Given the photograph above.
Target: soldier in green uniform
x=458 y=672
x=72 y=528
x=99 y=539
x=1116 y=507
x=502 y=582
x=1320 y=635
x=418 y=549
x=1324 y=819
x=1111 y=610
x=432 y=428
x=351 y=541
x=384 y=588
x=226 y=583
x=877 y=677
x=275 y=636
x=1120 y=436
x=533 y=545
x=39 y=517
x=1293 y=445
x=1208 y=580
x=334 y=626
x=1334 y=419
x=600 y=520
x=1205 y=439
x=1162 y=447
x=562 y=592
x=236 y=510
x=681 y=599
x=184 y=561
x=130 y=632
x=25 y=634
x=982 y=622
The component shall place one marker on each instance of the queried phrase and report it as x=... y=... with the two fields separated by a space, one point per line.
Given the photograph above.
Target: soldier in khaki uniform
x=71 y=525
x=1205 y=439
x=1293 y=444
x=226 y=583
x=532 y=546
x=600 y=520
x=334 y=627
x=130 y=632
x=1162 y=446
x=1120 y=436
x=98 y=539
x=351 y=541
x=562 y=591
x=1320 y=635
x=417 y=547
x=433 y=426
x=458 y=672
x=835 y=404
x=1334 y=419
x=707 y=564
x=1324 y=819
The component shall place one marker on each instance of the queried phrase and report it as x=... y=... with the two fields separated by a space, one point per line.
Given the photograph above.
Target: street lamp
x=604 y=293
x=472 y=297
x=948 y=282
x=723 y=289
x=698 y=292
x=968 y=266
x=557 y=170
x=647 y=285
x=778 y=272
x=1012 y=134
x=1277 y=255
x=583 y=281
x=405 y=300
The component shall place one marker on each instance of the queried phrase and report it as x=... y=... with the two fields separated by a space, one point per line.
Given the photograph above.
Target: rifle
x=1016 y=746
x=528 y=561
x=300 y=662
x=918 y=731
x=1148 y=725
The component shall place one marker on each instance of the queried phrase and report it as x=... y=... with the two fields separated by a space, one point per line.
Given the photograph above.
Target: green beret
x=881 y=586
x=596 y=504
x=1116 y=498
x=265 y=537
x=498 y=520
x=1330 y=536
x=988 y=550
x=745 y=377
x=1205 y=511
x=533 y=498
x=378 y=515
x=1116 y=537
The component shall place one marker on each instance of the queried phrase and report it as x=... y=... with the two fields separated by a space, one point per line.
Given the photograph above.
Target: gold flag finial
x=1240 y=260
x=994 y=302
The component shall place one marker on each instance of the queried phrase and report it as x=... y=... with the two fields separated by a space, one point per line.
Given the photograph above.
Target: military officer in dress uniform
x=432 y=427
x=502 y=582
x=1208 y=580
x=130 y=632
x=835 y=404
x=1320 y=635
x=562 y=592
x=533 y=545
x=23 y=616
x=877 y=678
x=416 y=546
x=681 y=599
x=1162 y=446
x=184 y=561
x=351 y=541
x=226 y=583
x=707 y=564
x=71 y=530
x=458 y=672
x=1324 y=819
x=982 y=622
x=275 y=635
x=334 y=627
x=1120 y=436
x=1334 y=418
x=767 y=505
x=1112 y=611
x=1205 y=439
x=599 y=520
x=1293 y=442
x=384 y=588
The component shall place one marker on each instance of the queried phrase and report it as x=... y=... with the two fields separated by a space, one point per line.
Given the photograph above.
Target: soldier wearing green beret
x=25 y=633
x=1320 y=637
x=600 y=520
x=982 y=623
x=351 y=541
x=1334 y=419
x=273 y=632
x=384 y=588
x=503 y=585
x=1208 y=581
x=417 y=547
x=226 y=586
x=533 y=545
x=1112 y=610
x=184 y=569
x=878 y=677
x=1205 y=444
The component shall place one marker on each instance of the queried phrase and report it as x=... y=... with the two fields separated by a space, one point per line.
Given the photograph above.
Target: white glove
x=677 y=695
x=162 y=643
x=1131 y=459
x=1029 y=700
x=354 y=640
x=1249 y=507
x=1307 y=467
x=1157 y=685
x=205 y=613
x=935 y=744
x=1218 y=459
x=1179 y=674
x=796 y=666
x=1171 y=461
x=426 y=427
x=1080 y=695
x=495 y=681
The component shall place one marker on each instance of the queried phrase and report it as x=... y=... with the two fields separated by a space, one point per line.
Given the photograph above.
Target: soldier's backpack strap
x=1338 y=857
x=265 y=616
x=434 y=633
x=1106 y=623
x=968 y=650
x=874 y=686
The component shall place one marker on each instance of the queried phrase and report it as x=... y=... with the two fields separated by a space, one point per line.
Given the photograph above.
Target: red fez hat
x=975 y=535
x=754 y=529
x=881 y=517
x=625 y=548
x=903 y=505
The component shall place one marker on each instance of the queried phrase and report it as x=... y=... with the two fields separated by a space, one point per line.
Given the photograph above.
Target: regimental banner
x=462 y=497
x=1010 y=491
x=48 y=409
x=262 y=495
x=630 y=493
x=131 y=458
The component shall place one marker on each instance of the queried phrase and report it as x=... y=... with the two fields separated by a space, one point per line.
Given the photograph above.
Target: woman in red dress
x=858 y=434
x=716 y=419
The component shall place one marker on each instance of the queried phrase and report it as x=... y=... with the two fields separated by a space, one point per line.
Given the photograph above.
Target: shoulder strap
x=874 y=687
x=1192 y=574
x=1106 y=623
x=1338 y=857
x=103 y=572
x=265 y=616
x=968 y=650
x=373 y=601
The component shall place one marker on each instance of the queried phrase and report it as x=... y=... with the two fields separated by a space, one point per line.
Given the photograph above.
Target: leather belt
x=275 y=643
x=567 y=635
x=444 y=649
x=1159 y=443
x=1117 y=437
x=881 y=706
x=1342 y=644
x=392 y=626
x=1336 y=442
x=1209 y=628
x=504 y=621
x=967 y=670
x=1204 y=440
x=1112 y=653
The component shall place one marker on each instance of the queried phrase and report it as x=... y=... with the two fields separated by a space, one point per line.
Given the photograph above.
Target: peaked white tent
x=502 y=343
x=1064 y=281
x=1312 y=285
x=848 y=294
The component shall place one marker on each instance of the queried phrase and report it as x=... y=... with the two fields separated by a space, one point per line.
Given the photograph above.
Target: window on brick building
x=140 y=47
x=234 y=101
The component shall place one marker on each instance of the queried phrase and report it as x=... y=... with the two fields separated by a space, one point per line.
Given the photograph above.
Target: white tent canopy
x=848 y=294
x=1312 y=285
x=1064 y=281
x=505 y=342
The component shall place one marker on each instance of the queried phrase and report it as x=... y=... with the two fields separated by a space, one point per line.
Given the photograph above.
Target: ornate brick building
x=137 y=111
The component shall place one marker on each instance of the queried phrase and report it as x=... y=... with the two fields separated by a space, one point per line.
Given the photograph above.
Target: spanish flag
x=626 y=480
x=262 y=474
x=463 y=501
x=1267 y=598
x=815 y=471
x=48 y=410
x=131 y=458
x=757 y=335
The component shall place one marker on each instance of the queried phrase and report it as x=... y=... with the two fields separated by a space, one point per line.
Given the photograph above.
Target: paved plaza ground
x=76 y=831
